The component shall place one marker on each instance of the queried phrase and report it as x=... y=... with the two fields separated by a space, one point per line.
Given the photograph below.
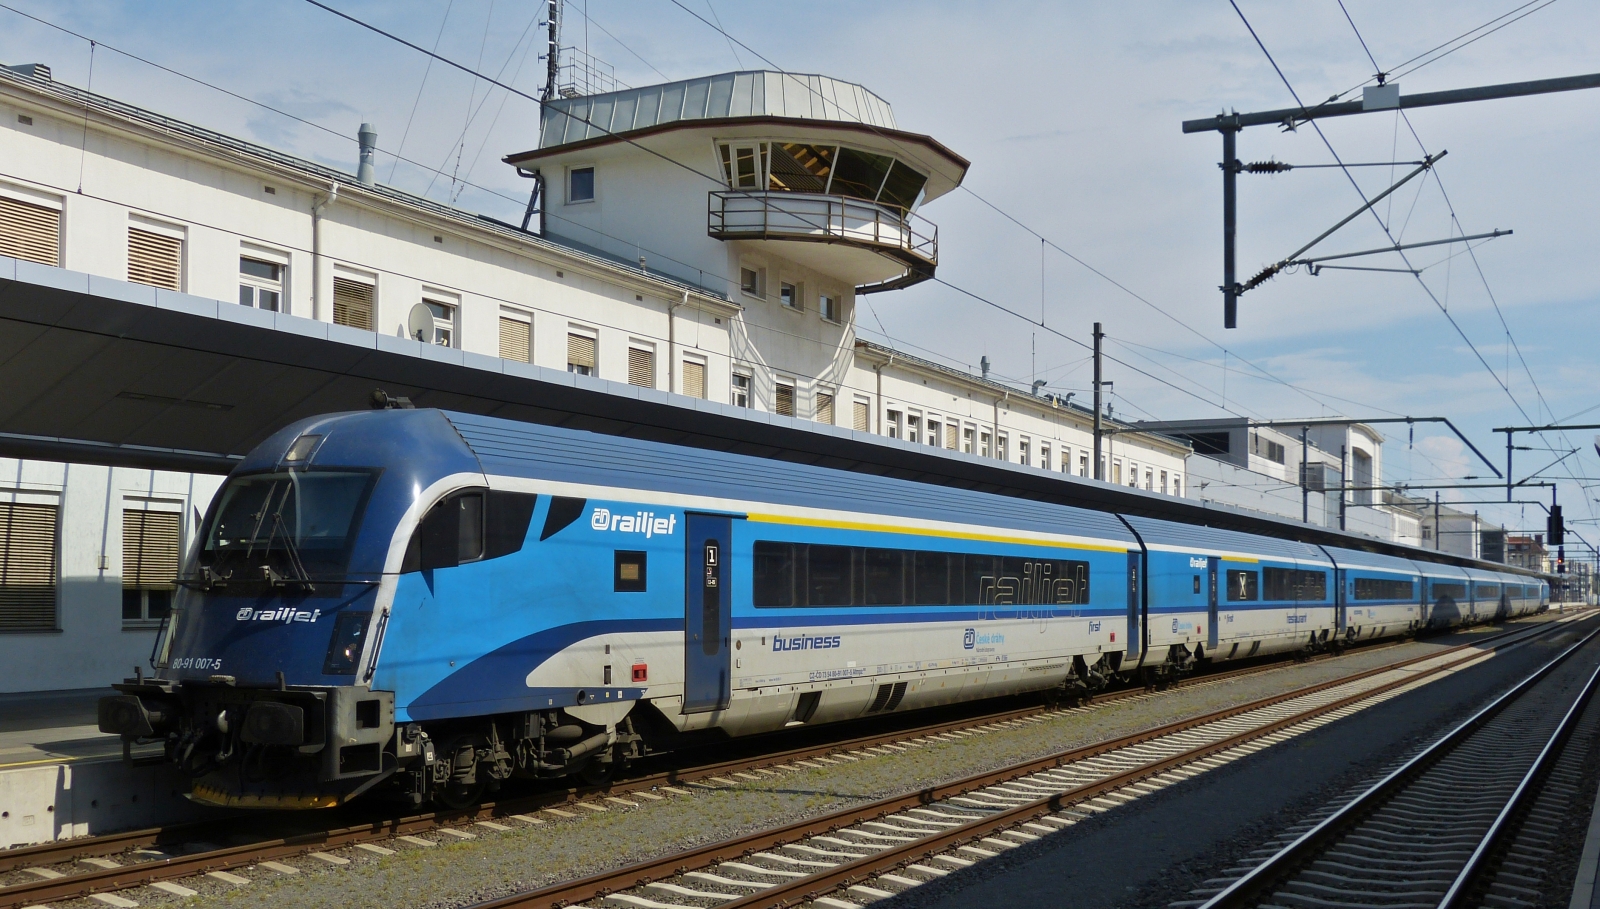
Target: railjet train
x=429 y=603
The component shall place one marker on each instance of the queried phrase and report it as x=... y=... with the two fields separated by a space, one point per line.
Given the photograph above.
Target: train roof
x=912 y=480
x=507 y=448
x=1156 y=532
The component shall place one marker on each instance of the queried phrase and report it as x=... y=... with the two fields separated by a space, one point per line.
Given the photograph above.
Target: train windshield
x=297 y=523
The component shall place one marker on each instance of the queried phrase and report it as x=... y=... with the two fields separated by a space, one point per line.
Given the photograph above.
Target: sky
x=1070 y=114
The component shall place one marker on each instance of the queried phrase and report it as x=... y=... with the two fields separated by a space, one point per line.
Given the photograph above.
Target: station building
x=705 y=239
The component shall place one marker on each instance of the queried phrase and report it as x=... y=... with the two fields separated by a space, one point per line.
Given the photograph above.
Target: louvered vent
x=30 y=232
x=888 y=697
x=515 y=340
x=27 y=567
x=155 y=259
x=150 y=543
x=352 y=303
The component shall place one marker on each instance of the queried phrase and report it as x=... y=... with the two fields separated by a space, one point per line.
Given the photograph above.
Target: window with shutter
x=27 y=567
x=155 y=259
x=952 y=434
x=641 y=367
x=580 y=354
x=783 y=401
x=860 y=417
x=352 y=303
x=150 y=544
x=694 y=379
x=824 y=407
x=31 y=232
x=516 y=338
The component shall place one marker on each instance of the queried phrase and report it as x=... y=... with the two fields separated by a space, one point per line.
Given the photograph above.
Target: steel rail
x=599 y=885
x=177 y=867
x=1527 y=790
x=1261 y=879
x=219 y=828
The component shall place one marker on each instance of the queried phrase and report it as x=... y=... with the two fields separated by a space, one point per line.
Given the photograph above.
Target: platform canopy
x=106 y=372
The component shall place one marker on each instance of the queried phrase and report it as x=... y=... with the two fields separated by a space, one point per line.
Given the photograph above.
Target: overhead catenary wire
x=1456 y=225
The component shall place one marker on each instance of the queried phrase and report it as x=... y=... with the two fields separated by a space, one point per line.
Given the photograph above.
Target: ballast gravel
x=456 y=872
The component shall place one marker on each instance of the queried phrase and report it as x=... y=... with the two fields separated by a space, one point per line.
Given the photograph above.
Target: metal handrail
x=891 y=225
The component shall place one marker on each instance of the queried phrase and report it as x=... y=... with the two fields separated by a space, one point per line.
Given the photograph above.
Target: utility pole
x=1230 y=220
x=1305 y=488
x=1439 y=533
x=1344 y=452
x=1098 y=427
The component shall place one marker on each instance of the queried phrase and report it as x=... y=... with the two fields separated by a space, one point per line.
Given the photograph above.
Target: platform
x=61 y=777
x=42 y=727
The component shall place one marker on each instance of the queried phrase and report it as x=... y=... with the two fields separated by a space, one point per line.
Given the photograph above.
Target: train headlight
x=271 y=723
x=344 y=647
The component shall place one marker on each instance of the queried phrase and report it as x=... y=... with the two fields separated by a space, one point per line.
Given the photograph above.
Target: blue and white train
x=433 y=602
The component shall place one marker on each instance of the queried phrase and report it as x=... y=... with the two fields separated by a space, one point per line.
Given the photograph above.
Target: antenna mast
x=553 y=52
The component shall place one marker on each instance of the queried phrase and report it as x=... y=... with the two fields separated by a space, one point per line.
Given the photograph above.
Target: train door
x=1136 y=639
x=707 y=613
x=1341 y=600
x=1213 y=564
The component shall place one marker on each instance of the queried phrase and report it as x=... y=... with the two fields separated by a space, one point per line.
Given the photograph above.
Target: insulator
x=1267 y=167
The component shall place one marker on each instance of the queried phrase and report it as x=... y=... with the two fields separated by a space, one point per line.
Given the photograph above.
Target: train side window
x=629 y=576
x=469 y=527
x=1243 y=586
x=932 y=579
x=505 y=522
x=830 y=580
x=774 y=574
x=449 y=534
x=885 y=577
x=806 y=574
x=1383 y=589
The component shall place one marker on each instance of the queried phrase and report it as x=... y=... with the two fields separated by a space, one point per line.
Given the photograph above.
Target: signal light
x=1555 y=527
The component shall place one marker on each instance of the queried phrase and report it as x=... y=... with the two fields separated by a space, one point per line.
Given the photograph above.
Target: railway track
x=872 y=851
x=161 y=856
x=1470 y=820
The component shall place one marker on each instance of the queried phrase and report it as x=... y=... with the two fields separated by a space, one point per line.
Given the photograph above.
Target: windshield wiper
x=301 y=576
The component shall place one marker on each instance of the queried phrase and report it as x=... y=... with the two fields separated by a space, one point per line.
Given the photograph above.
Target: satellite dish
x=419 y=325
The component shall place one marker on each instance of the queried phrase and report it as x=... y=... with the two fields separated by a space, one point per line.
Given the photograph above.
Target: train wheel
x=457 y=795
x=601 y=773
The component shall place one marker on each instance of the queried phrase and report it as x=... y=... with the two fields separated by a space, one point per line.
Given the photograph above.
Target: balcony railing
x=819 y=218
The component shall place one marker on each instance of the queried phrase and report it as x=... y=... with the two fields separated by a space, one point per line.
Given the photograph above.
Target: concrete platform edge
x=1583 y=889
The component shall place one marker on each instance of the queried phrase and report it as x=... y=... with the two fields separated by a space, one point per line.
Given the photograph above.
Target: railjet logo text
x=285 y=615
x=641 y=522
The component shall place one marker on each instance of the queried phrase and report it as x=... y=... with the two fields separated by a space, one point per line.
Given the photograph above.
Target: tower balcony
x=876 y=246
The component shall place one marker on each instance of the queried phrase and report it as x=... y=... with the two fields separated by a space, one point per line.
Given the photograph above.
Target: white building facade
x=745 y=295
